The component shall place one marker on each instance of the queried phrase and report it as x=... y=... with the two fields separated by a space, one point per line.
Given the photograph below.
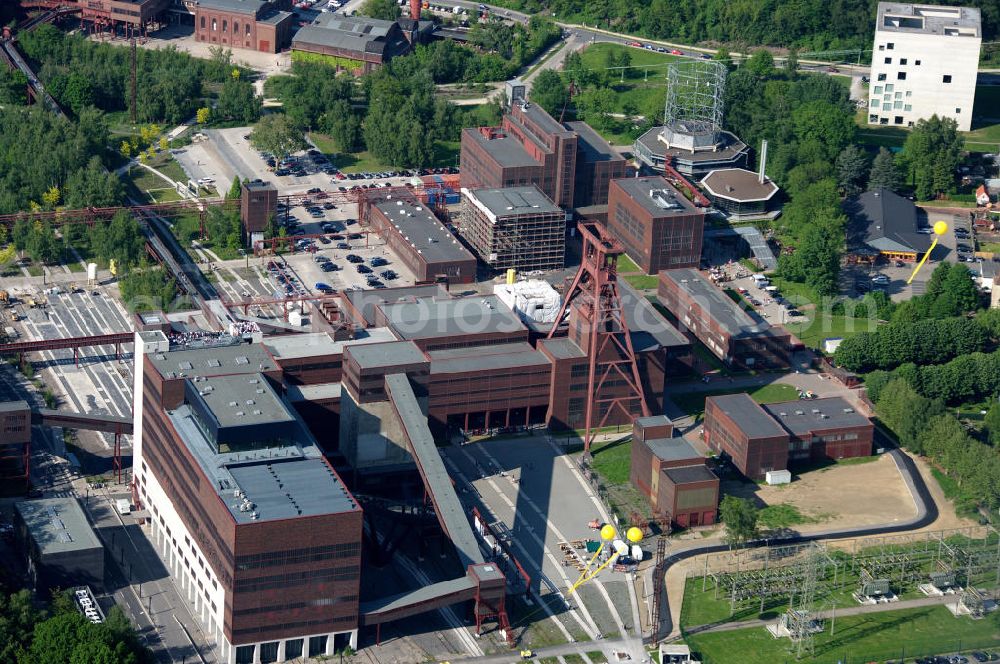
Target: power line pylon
x=613 y=377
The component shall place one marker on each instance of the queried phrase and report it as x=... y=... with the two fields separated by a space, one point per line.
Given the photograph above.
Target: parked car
x=363 y=269
x=880 y=279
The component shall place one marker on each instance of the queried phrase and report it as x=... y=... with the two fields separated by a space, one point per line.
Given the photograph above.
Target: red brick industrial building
x=671 y=474
x=569 y=162
x=659 y=228
x=760 y=438
x=421 y=241
x=738 y=337
x=259 y=25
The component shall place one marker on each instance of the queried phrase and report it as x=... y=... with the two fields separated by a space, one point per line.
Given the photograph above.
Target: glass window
x=878 y=89
x=874 y=103
x=889 y=87
x=202 y=22
x=215 y=26
x=889 y=46
x=897 y=105
x=957 y=111
x=902 y=61
x=225 y=25
x=907 y=107
x=886 y=107
x=901 y=76
x=881 y=47
x=898 y=95
x=236 y=27
x=909 y=93
x=888 y=61
x=887 y=97
x=248 y=28
x=946 y=78
x=916 y=62
x=881 y=77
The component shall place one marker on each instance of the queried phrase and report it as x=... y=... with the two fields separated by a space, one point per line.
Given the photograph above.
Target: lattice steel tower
x=613 y=376
x=692 y=116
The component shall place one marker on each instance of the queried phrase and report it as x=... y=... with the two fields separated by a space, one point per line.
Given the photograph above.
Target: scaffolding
x=524 y=241
x=692 y=114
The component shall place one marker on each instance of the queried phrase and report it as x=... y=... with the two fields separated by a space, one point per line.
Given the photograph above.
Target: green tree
x=932 y=152
x=722 y=55
x=991 y=423
x=383 y=9
x=792 y=62
x=740 y=518
x=277 y=135
x=202 y=115
x=905 y=412
x=852 y=170
x=238 y=101
x=883 y=173
x=760 y=64
x=550 y=92
x=235 y=190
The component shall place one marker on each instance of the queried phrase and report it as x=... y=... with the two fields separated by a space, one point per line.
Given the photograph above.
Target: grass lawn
x=597 y=657
x=445 y=154
x=992 y=247
x=643 y=281
x=813 y=331
x=612 y=460
x=626 y=265
x=864 y=638
x=693 y=403
x=782 y=515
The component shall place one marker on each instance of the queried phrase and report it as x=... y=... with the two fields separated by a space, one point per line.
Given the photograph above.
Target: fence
x=904 y=652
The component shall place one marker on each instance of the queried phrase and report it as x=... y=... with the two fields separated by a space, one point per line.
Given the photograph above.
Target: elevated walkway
x=88 y=422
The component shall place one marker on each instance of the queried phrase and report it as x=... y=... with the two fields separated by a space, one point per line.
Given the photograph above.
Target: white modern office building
x=924 y=63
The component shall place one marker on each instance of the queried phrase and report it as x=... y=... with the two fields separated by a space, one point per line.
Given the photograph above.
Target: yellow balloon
x=608 y=532
x=940 y=227
x=634 y=535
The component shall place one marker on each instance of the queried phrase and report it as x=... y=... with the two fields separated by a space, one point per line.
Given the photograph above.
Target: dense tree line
x=80 y=73
x=811 y=25
x=921 y=425
x=60 y=633
x=927 y=329
x=40 y=151
x=931 y=153
x=148 y=288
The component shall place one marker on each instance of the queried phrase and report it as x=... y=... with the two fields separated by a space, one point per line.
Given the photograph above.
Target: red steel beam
x=69 y=342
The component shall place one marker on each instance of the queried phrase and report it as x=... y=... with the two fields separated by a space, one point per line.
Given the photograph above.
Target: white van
x=123 y=506
x=760 y=280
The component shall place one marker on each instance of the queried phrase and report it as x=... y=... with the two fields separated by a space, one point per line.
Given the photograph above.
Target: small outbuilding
x=61 y=548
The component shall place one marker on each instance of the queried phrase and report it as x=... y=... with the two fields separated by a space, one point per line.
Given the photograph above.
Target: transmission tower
x=692 y=114
x=613 y=376
x=801 y=618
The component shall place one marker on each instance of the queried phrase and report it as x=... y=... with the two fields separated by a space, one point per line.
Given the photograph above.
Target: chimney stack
x=763 y=161
x=415 y=9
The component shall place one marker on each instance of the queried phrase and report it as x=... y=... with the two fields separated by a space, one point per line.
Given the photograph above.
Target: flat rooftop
x=739 y=184
x=242 y=400
x=213 y=361
x=505 y=150
x=562 y=348
x=393 y=354
x=512 y=201
x=536 y=114
x=748 y=415
x=316 y=344
x=737 y=322
x=486 y=358
x=805 y=416
x=423 y=230
x=647 y=327
x=282 y=482
x=929 y=20
x=452 y=317
x=689 y=474
x=672 y=449
x=729 y=149
x=57 y=525
x=656 y=196
x=366 y=300
x=593 y=146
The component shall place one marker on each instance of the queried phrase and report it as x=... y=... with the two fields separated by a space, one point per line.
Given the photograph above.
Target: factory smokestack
x=763 y=161
x=415 y=10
